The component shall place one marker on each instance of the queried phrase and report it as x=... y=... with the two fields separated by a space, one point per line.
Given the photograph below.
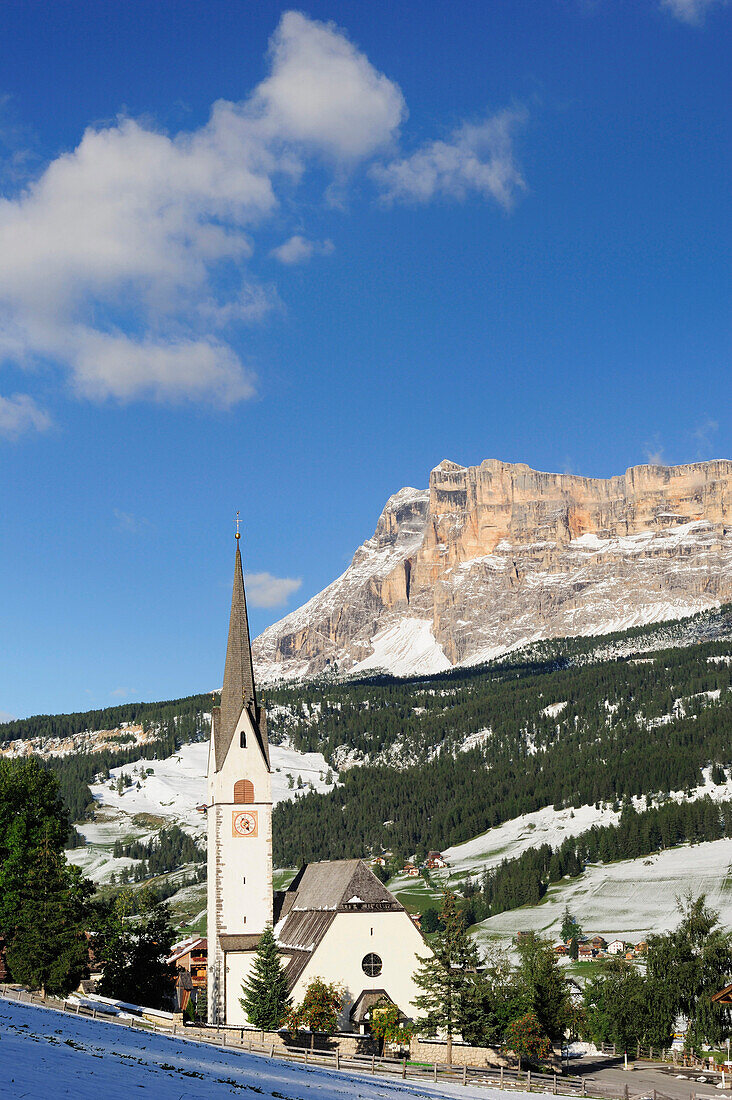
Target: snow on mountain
x=408 y=648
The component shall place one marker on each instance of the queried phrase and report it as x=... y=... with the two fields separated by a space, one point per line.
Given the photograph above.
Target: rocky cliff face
x=493 y=556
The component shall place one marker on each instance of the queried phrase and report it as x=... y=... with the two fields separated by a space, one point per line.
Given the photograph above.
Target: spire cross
x=237 y=526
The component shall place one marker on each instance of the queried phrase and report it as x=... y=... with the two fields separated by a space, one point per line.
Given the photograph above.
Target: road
x=647 y=1076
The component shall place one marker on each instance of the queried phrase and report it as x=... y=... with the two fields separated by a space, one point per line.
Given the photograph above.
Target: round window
x=371 y=965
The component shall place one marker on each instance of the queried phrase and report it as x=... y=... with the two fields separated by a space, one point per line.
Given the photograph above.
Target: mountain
x=495 y=556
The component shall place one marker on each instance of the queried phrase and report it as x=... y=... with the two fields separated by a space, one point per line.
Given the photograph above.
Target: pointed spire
x=238 y=690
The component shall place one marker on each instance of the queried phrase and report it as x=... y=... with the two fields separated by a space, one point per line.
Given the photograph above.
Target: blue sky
x=285 y=261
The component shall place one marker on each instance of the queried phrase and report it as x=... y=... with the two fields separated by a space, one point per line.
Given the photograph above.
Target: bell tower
x=239 y=807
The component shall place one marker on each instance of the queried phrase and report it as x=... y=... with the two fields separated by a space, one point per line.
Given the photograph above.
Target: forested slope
x=443 y=758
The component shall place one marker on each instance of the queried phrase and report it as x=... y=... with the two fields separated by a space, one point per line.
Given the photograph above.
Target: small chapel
x=336 y=921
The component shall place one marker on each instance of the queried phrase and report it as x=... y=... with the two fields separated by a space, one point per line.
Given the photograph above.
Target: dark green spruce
x=266 y=1001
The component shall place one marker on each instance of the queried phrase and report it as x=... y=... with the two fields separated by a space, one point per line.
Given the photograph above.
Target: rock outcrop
x=493 y=556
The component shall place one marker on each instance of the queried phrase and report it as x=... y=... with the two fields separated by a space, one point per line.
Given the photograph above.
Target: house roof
x=723 y=996
x=184 y=948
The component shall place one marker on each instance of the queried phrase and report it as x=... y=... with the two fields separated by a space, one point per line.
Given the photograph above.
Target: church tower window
x=371 y=965
x=243 y=792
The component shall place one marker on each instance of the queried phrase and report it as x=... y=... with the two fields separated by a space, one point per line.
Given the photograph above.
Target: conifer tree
x=48 y=948
x=265 y=999
x=447 y=974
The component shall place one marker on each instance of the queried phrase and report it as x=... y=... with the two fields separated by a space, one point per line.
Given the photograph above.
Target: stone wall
x=347 y=1044
x=433 y=1050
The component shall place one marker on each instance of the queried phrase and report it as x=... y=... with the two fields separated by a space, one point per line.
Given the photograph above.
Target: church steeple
x=238 y=692
x=239 y=818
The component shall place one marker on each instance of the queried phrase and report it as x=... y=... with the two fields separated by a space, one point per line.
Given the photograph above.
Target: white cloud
x=123 y=693
x=298 y=250
x=19 y=414
x=109 y=259
x=704 y=434
x=476 y=157
x=130 y=524
x=264 y=590
x=653 y=450
x=129 y=259
x=690 y=11
x=326 y=93
x=5 y=717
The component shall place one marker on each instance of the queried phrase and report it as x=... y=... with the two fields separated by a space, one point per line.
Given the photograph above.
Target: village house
x=586 y=951
x=598 y=943
x=616 y=947
x=191 y=955
x=410 y=870
x=435 y=860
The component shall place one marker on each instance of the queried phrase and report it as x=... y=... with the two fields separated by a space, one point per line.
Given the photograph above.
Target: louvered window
x=243 y=792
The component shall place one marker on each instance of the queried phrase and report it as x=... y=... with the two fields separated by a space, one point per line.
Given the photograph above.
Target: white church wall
x=245 y=838
x=353 y=935
x=238 y=967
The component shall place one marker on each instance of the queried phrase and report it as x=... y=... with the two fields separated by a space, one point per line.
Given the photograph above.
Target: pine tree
x=571 y=928
x=265 y=999
x=48 y=948
x=545 y=984
x=446 y=976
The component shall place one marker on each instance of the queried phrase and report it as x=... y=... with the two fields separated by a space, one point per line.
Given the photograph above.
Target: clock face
x=244 y=823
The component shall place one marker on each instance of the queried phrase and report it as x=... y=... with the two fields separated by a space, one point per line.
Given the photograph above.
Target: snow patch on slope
x=174 y=790
x=407 y=648
x=632 y=898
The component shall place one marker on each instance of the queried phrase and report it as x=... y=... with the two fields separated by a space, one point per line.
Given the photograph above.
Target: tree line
x=168 y=849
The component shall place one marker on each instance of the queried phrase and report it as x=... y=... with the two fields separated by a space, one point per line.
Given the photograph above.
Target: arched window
x=243 y=791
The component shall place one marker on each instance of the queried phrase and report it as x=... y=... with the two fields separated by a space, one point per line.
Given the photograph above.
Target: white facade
x=350 y=939
x=342 y=924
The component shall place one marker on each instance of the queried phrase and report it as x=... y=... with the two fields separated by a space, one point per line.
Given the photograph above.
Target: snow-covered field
x=170 y=794
x=545 y=826
x=630 y=899
x=44 y=1053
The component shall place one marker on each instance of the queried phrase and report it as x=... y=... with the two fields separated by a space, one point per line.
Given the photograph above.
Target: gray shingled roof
x=302 y=931
x=337 y=884
x=245 y=942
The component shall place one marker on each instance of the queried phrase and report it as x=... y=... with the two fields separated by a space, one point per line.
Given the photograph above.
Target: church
x=336 y=921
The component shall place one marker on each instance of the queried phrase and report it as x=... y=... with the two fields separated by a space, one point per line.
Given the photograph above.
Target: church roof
x=341 y=884
x=238 y=691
